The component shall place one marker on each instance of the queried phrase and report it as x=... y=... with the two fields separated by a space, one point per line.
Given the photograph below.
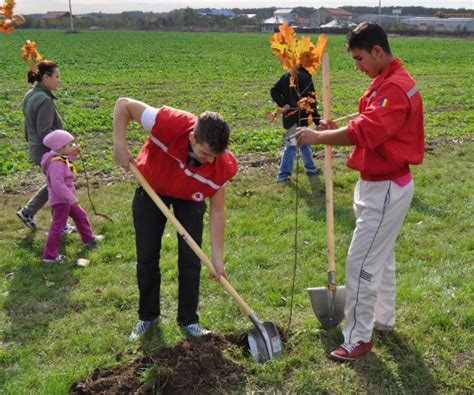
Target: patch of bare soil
x=198 y=365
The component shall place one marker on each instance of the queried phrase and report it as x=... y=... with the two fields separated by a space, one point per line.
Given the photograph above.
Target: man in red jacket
x=387 y=136
x=185 y=160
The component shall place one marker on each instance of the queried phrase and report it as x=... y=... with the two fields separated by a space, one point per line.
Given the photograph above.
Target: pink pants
x=61 y=212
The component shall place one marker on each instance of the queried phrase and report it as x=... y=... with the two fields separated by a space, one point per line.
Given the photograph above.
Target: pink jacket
x=60 y=179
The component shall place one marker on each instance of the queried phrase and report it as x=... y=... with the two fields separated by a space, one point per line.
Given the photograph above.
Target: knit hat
x=57 y=139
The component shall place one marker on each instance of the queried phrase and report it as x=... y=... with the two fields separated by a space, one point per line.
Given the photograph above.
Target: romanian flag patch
x=383 y=102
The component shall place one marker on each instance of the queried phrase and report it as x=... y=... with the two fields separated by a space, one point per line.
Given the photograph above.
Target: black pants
x=149 y=224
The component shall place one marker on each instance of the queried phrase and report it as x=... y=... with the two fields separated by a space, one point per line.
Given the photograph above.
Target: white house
x=280 y=15
x=287 y=13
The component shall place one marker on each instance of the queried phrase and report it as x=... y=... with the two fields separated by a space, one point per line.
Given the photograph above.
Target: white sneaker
x=68 y=229
x=97 y=238
x=28 y=220
x=140 y=329
x=194 y=330
x=58 y=259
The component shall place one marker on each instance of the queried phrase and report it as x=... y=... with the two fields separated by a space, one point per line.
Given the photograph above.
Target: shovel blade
x=264 y=341
x=328 y=306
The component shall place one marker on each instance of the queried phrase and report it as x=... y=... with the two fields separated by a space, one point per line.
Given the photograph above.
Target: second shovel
x=328 y=302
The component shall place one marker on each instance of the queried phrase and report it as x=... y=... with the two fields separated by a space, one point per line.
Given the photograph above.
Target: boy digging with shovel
x=387 y=136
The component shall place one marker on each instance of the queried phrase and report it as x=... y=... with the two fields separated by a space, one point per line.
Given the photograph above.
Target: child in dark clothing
x=287 y=98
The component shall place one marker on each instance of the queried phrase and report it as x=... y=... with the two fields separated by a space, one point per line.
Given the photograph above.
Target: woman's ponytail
x=42 y=68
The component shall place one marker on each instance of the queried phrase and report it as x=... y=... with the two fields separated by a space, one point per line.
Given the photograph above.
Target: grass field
x=230 y=73
x=59 y=323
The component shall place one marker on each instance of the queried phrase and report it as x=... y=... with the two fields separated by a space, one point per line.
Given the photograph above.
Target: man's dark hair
x=366 y=35
x=211 y=128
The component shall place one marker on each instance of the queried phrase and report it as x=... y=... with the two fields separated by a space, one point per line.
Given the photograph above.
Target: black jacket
x=282 y=94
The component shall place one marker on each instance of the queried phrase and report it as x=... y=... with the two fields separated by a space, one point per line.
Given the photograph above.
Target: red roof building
x=324 y=15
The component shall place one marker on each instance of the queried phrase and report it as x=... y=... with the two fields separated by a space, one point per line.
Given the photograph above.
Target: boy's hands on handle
x=306 y=135
x=219 y=270
x=327 y=124
x=122 y=156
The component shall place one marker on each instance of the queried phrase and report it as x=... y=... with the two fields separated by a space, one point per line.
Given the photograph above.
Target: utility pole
x=70 y=16
x=380 y=8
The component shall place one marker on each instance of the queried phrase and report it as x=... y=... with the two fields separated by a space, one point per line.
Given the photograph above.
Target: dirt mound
x=194 y=365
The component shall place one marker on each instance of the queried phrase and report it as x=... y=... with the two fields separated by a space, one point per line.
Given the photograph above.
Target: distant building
x=303 y=22
x=287 y=13
x=271 y=24
x=220 y=12
x=55 y=15
x=385 y=20
x=280 y=16
x=441 y=24
x=252 y=17
x=325 y=15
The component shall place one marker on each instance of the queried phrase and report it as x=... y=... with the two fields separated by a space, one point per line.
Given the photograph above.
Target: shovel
x=328 y=302
x=264 y=340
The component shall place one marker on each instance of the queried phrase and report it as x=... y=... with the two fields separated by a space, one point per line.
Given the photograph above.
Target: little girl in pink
x=60 y=172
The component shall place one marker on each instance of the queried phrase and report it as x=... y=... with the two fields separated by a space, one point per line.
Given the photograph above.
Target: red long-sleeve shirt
x=388 y=134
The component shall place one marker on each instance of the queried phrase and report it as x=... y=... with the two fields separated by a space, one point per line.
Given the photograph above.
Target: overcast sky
x=116 y=6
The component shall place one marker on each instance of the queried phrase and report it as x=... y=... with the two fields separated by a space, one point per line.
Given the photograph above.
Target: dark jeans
x=37 y=201
x=149 y=224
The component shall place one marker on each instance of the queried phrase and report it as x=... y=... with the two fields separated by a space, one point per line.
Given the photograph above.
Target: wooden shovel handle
x=187 y=237
x=328 y=167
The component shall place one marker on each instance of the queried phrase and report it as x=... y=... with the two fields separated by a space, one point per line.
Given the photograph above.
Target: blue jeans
x=288 y=157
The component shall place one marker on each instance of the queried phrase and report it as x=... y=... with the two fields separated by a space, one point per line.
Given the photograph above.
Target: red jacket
x=388 y=134
x=163 y=160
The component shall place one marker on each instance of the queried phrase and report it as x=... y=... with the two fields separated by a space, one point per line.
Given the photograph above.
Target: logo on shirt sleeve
x=197 y=196
x=383 y=102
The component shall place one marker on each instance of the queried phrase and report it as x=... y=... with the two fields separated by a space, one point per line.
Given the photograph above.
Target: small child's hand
x=76 y=150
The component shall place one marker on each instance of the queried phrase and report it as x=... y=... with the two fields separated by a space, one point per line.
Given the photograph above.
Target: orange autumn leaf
x=283 y=45
x=7 y=19
x=312 y=58
x=293 y=52
x=30 y=53
x=305 y=103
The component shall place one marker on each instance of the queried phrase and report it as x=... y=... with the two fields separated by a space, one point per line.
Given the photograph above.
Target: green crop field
x=59 y=323
x=230 y=73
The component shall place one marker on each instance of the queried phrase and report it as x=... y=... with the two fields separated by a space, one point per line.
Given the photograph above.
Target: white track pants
x=380 y=208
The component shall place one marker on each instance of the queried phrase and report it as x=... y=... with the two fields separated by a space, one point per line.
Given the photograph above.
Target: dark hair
x=366 y=35
x=42 y=68
x=211 y=128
